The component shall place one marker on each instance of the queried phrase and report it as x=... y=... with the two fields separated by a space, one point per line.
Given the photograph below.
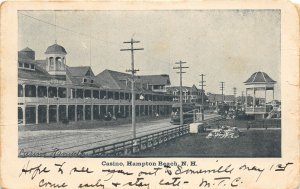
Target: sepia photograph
x=149 y=83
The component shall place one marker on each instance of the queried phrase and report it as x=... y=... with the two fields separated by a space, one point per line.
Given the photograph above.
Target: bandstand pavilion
x=259 y=91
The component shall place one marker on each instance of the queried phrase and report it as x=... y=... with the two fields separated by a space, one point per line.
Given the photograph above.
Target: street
x=67 y=141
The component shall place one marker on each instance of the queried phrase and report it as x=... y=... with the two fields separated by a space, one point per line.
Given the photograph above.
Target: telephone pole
x=242 y=100
x=222 y=88
x=202 y=95
x=133 y=71
x=180 y=67
x=234 y=94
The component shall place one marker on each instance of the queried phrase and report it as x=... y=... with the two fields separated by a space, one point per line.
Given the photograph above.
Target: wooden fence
x=131 y=146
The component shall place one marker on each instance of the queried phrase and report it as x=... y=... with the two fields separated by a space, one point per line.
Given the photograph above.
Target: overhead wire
x=86 y=35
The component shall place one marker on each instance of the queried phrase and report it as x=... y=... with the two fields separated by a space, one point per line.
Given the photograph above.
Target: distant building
x=156 y=83
x=216 y=99
x=49 y=91
x=189 y=94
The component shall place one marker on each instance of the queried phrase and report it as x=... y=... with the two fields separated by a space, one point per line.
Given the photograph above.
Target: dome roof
x=27 y=49
x=56 y=49
x=260 y=78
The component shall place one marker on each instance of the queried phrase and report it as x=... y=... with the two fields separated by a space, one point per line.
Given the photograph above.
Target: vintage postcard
x=149 y=95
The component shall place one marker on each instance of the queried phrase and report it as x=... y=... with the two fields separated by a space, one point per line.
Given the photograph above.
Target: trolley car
x=187 y=108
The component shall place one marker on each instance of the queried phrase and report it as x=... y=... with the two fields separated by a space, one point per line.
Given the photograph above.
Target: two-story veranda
x=50 y=92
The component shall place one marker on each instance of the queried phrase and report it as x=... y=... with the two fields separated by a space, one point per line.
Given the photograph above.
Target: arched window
x=59 y=63
x=51 y=63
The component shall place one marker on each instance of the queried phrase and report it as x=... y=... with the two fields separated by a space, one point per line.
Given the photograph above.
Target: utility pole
x=222 y=88
x=242 y=100
x=133 y=71
x=234 y=94
x=180 y=67
x=202 y=95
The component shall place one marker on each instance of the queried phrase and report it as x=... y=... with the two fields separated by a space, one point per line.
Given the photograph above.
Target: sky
x=225 y=45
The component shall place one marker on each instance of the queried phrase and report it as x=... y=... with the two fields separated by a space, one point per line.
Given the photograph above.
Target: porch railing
x=55 y=100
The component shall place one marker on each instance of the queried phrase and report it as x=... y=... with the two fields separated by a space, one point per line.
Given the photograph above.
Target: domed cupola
x=56 y=60
x=56 y=49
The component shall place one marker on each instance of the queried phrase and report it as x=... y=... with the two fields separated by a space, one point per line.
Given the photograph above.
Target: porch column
x=273 y=93
x=68 y=94
x=245 y=102
x=99 y=111
x=67 y=112
x=47 y=113
x=57 y=113
x=106 y=108
x=75 y=112
x=253 y=99
x=36 y=91
x=47 y=91
x=23 y=89
x=265 y=106
x=92 y=112
x=83 y=112
x=37 y=114
x=24 y=115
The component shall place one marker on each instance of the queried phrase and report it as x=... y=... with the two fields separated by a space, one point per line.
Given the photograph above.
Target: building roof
x=56 y=49
x=75 y=76
x=163 y=79
x=184 y=88
x=118 y=80
x=37 y=74
x=112 y=79
x=27 y=49
x=26 y=53
x=260 y=77
x=81 y=71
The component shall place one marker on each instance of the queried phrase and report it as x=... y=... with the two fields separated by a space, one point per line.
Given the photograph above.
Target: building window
x=92 y=81
x=26 y=65
x=84 y=80
x=32 y=66
x=51 y=65
x=59 y=63
x=20 y=65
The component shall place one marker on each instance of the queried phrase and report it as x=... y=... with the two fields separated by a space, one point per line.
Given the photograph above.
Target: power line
x=180 y=68
x=69 y=30
x=133 y=71
x=83 y=34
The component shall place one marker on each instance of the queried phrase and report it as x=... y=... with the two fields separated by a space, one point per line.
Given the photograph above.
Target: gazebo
x=258 y=88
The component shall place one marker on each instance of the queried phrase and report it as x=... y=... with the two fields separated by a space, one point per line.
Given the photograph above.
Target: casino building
x=49 y=91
